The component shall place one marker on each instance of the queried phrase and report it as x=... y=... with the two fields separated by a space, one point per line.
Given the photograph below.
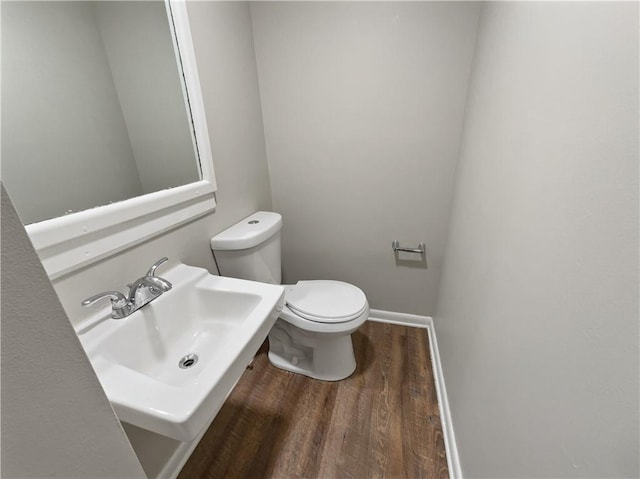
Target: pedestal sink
x=169 y=367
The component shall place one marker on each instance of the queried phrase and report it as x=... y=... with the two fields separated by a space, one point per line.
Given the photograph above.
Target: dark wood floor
x=383 y=421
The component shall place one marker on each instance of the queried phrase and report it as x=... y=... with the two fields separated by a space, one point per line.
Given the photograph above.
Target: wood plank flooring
x=382 y=422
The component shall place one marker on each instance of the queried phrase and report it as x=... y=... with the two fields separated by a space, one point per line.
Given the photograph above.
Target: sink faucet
x=142 y=291
x=146 y=289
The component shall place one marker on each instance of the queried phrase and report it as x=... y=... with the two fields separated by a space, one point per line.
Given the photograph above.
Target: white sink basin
x=221 y=320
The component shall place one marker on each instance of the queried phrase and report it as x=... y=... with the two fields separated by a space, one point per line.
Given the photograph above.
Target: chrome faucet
x=142 y=291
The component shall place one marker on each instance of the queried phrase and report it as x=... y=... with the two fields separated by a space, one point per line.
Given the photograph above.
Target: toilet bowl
x=312 y=335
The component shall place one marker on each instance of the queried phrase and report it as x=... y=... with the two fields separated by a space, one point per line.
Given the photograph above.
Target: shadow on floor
x=364 y=352
x=244 y=440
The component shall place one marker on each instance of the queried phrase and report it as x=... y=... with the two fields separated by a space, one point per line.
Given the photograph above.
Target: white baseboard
x=179 y=458
x=453 y=460
x=401 y=319
x=413 y=320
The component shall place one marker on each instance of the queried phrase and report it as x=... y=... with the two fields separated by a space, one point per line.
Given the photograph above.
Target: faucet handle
x=154 y=267
x=120 y=305
x=118 y=300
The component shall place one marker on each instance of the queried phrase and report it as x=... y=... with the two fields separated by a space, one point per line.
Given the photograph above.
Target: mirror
x=92 y=105
x=101 y=105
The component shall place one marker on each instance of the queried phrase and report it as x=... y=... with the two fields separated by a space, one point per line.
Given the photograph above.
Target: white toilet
x=312 y=336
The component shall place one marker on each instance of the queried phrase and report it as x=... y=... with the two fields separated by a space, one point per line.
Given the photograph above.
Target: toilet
x=312 y=335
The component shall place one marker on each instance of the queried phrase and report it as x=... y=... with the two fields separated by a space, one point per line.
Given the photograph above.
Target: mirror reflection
x=93 y=109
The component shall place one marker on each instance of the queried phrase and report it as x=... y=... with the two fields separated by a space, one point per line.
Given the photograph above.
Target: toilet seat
x=326 y=301
x=329 y=318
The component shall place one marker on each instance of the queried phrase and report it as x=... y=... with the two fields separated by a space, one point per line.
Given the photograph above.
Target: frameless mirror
x=92 y=105
x=104 y=137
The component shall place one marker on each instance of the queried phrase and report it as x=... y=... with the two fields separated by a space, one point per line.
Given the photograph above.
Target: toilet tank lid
x=249 y=232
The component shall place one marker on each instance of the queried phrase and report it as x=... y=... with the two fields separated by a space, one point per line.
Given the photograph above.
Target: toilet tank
x=250 y=249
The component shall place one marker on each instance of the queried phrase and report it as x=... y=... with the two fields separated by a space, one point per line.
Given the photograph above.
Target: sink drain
x=188 y=361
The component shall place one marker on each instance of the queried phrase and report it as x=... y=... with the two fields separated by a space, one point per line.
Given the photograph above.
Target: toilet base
x=328 y=357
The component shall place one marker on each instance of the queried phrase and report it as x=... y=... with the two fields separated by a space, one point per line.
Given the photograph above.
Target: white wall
x=363 y=106
x=61 y=115
x=537 y=317
x=226 y=62
x=224 y=52
x=138 y=45
x=56 y=420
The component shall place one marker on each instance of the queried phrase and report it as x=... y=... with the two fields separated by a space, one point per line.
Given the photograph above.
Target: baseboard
x=453 y=460
x=416 y=321
x=402 y=319
x=179 y=458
